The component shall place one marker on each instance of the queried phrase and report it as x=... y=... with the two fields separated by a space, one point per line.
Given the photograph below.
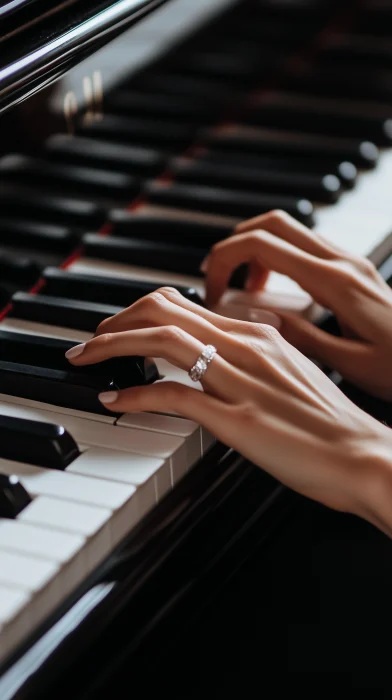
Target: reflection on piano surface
x=115 y=179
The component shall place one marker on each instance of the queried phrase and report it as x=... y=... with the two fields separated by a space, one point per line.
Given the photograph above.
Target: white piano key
x=56 y=546
x=25 y=572
x=92 y=522
x=150 y=476
x=87 y=432
x=67 y=549
x=68 y=486
x=58 y=411
x=43 y=329
x=186 y=429
x=116 y=497
x=34 y=576
x=185 y=215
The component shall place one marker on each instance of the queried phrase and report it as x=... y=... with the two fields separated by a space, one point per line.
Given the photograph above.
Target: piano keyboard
x=134 y=200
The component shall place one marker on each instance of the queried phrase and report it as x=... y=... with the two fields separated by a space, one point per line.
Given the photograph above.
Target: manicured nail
x=108 y=396
x=267 y=317
x=204 y=264
x=74 y=352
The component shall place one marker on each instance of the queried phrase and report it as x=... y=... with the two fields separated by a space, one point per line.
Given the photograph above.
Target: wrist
x=374 y=483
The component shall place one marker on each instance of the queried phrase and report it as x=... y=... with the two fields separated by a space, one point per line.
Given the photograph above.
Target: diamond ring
x=200 y=367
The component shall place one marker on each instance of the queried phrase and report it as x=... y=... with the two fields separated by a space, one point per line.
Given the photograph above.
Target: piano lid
x=59 y=96
x=42 y=45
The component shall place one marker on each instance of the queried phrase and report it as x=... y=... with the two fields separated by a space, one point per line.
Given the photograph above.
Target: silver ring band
x=200 y=367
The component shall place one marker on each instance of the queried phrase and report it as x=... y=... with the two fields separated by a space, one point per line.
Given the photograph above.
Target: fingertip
x=108 y=398
x=75 y=352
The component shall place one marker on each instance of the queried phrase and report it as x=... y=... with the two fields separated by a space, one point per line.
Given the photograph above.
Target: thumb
x=347 y=356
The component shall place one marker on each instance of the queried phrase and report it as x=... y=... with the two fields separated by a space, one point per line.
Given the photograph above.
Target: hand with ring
x=260 y=396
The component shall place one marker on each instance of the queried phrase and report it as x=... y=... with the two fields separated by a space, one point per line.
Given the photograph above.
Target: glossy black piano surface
x=201 y=114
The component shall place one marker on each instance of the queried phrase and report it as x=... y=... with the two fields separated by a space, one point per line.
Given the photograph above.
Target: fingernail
x=108 y=396
x=74 y=352
x=204 y=264
x=267 y=317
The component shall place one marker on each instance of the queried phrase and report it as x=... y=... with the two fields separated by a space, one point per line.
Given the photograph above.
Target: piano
x=133 y=136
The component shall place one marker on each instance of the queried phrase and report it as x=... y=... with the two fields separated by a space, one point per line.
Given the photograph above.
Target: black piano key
x=114 y=291
x=37 y=443
x=316 y=116
x=105 y=155
x=140 y=131
x=4 y=295
x=226 y=201
x=161 y=228
x=18 y=271
x=321 y=188
x=73 y=179
x=70 y=313
x=286 y=33
x=36 y=368
x=343 y=81
x=39 y=236
x=229 y=67
x=29 y=202
x=13 y=496
x=159 y=106
x=357 y=50
x=211 y=92
x=363 y=154
x=159 y=255
x=344 y=170
x=49 y=353
x=376 y=18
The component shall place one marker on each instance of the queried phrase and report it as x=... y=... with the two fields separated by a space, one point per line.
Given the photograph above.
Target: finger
x=350 y=358
x=169 y=308
x=269 y=252
x=257 y=277
x=218 y=417
x=171 y=344
x=289 y=229
x=148 y=310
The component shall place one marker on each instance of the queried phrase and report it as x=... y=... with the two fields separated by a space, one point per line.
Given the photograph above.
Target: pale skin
x=262 y=395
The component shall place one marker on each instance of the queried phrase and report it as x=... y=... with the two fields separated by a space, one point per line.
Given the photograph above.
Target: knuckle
x=345 y=277
x=168 y=335
x=367 y=267
x=278 y=216
x=168 y=292
x=103 y=340
x=248 y=414
x=255 y=236
x=153 y=301
x=267 y=333
x=342 y=273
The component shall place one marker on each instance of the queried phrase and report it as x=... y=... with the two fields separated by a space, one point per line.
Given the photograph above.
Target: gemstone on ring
x=200 y=367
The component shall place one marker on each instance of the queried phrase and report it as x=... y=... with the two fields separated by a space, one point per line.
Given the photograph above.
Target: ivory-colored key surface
x=129 y=440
